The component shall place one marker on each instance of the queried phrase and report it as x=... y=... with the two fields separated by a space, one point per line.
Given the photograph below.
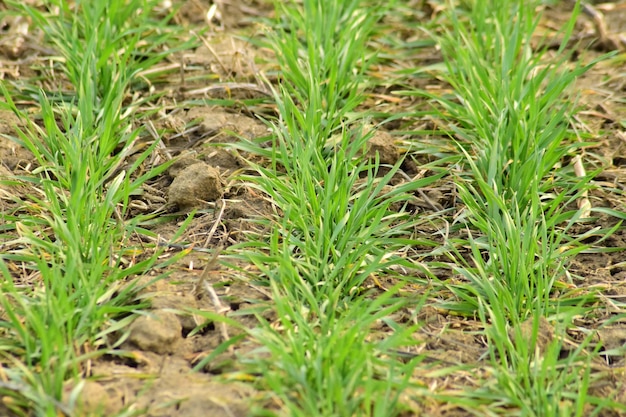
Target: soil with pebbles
x=162 y=346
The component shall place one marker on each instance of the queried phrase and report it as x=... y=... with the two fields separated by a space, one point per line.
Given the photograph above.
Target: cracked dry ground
x=212 y=96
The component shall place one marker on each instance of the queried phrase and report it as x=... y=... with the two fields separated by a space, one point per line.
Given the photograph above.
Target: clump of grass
x=510 y=117
x=334 y=225
x=334 y=204
x=324 y=45
x=74 y=233
x=509 y=110
x=334 y=231
x=335 y=216
x=322 y=361
x=510 y=114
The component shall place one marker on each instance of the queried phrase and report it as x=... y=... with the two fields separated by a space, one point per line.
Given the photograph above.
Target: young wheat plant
x=73 y=230
x=510 y=115
x=334 y=226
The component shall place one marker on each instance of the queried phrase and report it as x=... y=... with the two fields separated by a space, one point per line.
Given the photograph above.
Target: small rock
x=383 y=144
x=545 y=333
x=612 y=338
x=214 y=122
x=195 y=185
x=164 y=300
x=159 y=332
x=95 y=399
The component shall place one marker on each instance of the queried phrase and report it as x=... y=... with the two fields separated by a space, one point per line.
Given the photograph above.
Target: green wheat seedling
x=510 y=109
x=332 y=203
x=335 y=210
x=519 y=253
x=125 y=35
x=334 y=225
x=335 y=230
x=74 y=231
x=325 y=42
x=511 y=123
x=326 y=365
x=514 y=268
x=510 y=116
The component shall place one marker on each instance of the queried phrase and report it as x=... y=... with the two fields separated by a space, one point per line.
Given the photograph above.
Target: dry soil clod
x=545 y=333
x=383 y=144
x=159 y=332
x=194 y=186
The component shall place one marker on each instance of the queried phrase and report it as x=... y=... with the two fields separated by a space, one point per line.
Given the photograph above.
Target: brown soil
x=217 y=97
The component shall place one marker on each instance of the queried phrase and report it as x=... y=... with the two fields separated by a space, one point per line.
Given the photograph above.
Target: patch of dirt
x=14 y=157
x=161 y=386
x=215 y=97
x=153 y=373
x=214 y=126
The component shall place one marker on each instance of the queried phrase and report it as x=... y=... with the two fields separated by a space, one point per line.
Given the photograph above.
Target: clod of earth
x=194 y=186
x=217 y=124
x=383 y=144
x=545 y=333
x=159 y=332
x=613 y=339
x=95 y=398
x=182 y=161
x=174 y=302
